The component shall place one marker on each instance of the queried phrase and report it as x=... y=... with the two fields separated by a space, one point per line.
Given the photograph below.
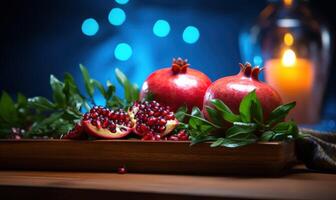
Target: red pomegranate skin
x=232 y=89
x=177 y=86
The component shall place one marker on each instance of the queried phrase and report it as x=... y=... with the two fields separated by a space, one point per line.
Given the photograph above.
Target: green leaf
x=70 y=87
x=197 y=138
x=245 y=124
x=180 y=113
x=58 y=95
x=41 y=103
x=110 y=90
x=149 y=96
x=196 y=112
x=195 y=120
x=280 y=113
x=131 y=90
x=74 y=98
x=285 y=130
x=245 y=106
x=8 y=111
x=122 y=79
x=226 y=113
x=87 y=81
x=22 y=101
x=239 y=132
x=257 y=111
x=234 y=143
x=100 y=87
x=214 y=115
x=218 y=142
x=40 y=127
x=267 y=136
x=135 y=92
x=205 y=128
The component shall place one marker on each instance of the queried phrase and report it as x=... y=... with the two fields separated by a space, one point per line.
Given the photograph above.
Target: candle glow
x=292 y=77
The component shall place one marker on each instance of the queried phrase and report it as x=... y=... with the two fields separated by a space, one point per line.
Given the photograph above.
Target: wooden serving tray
x=145 y=156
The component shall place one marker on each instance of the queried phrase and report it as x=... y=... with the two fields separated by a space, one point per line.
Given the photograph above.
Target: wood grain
x=145 y=156
x=297 y=184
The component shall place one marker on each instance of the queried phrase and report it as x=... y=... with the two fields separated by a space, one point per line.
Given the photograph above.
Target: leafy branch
x=247 y=127
x=39 y=116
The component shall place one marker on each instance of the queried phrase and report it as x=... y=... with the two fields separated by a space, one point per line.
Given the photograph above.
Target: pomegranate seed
x=182 y=135
x=148 y=136
x=162 y=122
x=98 y=125
x=144 y=128
x=173 y=138
x=164 y=113
x=94 y=115
x=105 y=123
x=94 y=122
x=161 y=129
x=157 y=137
x=86 y=116
x=170 y=116
x=122 y=170
x=138 y=129
x=151 y=121
x=112 y=127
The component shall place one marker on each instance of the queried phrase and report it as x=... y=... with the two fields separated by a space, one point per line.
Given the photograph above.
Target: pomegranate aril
x=170 y=116
x=122 y=170
x=138 y=128
x=94 y=115
x=111 y=115
x=105 y=124
x=161 y=129
x=164 y=113
x=151 y=121
x=162 y=122
x=98 y=124
x=86 y=116
x=148 y=136
x=157 y=137
x=173 y=137
x=144 y=128
x=94 y=122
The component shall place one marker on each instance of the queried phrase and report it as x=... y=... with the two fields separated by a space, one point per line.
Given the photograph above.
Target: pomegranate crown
x=248 y=71
x=179 y=65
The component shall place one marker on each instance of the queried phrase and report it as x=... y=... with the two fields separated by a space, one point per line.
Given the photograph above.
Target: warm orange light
x=292 y=77
x=288 y=58
x=288 y=2
x=288 y=39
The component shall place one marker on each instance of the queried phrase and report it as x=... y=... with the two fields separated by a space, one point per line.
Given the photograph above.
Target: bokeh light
x=257 y=60
x=191 y=34
x=122 y=2
x=161 y=28
x=117 y=16
x=123 y=51
x=90 y=27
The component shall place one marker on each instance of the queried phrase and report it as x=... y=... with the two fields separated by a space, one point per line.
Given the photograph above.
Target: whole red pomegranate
x=176 y=86
x=232 y=89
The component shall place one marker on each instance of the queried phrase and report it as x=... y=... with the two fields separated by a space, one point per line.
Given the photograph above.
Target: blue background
x=45 y=37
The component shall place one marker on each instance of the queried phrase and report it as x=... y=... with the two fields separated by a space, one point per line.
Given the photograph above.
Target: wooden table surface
x=298 y=184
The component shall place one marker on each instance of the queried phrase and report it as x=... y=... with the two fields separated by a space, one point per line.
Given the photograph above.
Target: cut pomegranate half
x=152 y=118
x=120 y=131
x=108 y=124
